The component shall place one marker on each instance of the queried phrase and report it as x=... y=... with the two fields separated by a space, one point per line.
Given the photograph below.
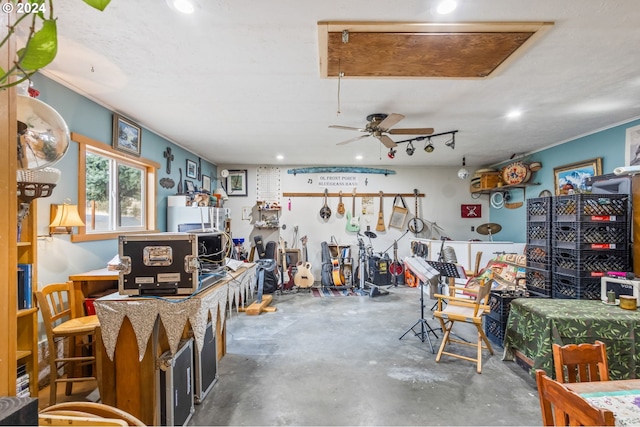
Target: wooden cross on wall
x=167 y=155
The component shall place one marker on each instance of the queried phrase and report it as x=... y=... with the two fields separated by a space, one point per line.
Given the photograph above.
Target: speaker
x=379 y=270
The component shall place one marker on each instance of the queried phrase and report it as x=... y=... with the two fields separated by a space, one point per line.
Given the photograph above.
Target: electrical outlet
x=473 y=228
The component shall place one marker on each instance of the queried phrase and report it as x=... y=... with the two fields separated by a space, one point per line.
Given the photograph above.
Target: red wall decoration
x=470 y=211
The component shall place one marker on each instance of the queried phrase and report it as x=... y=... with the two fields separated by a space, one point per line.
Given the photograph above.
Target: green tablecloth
x=535 y=324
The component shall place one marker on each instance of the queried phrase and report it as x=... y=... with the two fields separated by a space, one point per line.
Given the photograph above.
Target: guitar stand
x=425 y=328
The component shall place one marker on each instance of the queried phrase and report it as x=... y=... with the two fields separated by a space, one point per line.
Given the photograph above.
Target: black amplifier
x=379 y=270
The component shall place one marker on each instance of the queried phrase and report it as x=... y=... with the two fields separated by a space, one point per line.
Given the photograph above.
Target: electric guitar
x=353 y=221
x=380 y=226
x=285 y=275
x=303 y=277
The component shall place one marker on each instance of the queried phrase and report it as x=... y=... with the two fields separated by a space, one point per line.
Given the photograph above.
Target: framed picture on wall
x=189 y=187
x=127 y=135
x=237 y=182
x=192 y=169
x=632 y=147
x=570 y=179
x=206 y=183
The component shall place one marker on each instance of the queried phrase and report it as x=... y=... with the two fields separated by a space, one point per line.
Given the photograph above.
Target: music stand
x=426 y=272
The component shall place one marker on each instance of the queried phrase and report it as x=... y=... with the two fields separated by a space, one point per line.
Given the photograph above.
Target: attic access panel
x=422 y=50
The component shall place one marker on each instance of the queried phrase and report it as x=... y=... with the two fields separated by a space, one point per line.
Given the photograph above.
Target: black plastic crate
x=589 y=263
x=591 y=235
x=539 y=209
x=495 y=330
x=500 y=304
x=591 y=207
x=539 y=256
x=539 y=281
x=539 y=233
x=570 y=287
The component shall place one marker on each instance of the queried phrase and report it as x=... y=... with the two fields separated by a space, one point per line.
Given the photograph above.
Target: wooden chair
x=90 y=409
x=562 y=407
x=464 y=309
x=73 y=332
x=581 y=362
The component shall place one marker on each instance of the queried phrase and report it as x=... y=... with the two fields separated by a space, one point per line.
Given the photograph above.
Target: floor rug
x=331 y=292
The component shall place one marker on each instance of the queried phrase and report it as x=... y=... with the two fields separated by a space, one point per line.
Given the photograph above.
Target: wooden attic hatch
x=422 y=50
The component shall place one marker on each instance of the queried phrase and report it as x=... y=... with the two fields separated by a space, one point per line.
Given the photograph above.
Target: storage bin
x=591 y=235
x=589 y=263
x=175 y=374
x=538 y=256
x=570 y=287
x=495 y=330
x=539 y=209
x=591 y=207
x=539 y=233
x=538 y=282
x=500 y=303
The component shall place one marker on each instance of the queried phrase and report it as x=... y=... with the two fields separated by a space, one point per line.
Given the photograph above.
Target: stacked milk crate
x=590 y=237
x=539 y=248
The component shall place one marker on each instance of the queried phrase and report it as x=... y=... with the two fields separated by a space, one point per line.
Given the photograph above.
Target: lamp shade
x=67 y=216
x=219 y=191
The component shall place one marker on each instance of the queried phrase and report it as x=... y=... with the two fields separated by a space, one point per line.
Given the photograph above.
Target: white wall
x=444 y=193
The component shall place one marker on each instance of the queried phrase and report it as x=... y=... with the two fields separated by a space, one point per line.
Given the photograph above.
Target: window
x=116 y=192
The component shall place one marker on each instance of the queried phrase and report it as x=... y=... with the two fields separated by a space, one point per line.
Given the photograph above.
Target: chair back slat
x=581 y=362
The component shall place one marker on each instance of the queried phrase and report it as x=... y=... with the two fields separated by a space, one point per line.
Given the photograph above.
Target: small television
x=620 y=286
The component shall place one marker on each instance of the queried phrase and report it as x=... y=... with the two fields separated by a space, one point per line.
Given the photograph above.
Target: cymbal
x=488 y=228
x=370 y=234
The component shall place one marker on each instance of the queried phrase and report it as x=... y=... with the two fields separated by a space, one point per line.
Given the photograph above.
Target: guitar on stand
x=396 y=268
x=304 y=278
x=285 y=274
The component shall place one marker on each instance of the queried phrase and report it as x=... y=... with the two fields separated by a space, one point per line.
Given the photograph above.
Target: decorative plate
x=516 y=173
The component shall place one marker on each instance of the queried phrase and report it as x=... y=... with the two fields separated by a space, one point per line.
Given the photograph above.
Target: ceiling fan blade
x=352 y=139
x=390 y=121
x=411 y=131
x=388 y=142
x=347 y=128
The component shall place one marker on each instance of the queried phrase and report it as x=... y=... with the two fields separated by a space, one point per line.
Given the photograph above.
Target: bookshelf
x=27 y=318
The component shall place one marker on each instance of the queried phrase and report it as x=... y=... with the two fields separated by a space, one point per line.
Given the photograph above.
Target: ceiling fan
x=379 y=125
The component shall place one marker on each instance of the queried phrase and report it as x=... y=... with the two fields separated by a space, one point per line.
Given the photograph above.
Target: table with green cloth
x=534 y=324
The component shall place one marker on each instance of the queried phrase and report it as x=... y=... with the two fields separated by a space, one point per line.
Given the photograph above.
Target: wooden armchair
x=562 y=407
x=76 y=413
x=581 y=362
x=467 y=310
x=72 y=331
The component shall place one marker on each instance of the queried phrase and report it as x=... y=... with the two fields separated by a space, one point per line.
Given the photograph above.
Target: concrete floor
x=339 y=361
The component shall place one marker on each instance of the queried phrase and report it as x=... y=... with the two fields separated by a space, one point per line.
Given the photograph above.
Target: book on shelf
x=25 y=286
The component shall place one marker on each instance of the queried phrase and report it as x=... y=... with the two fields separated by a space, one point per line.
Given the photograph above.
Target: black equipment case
x=170 y=263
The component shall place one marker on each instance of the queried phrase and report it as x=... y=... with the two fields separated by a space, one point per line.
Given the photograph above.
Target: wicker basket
x=43 y=176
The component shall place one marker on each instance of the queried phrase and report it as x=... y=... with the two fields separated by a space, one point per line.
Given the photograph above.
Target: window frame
x=149 y=166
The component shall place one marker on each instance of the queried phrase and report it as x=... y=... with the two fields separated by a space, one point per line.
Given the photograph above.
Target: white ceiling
x=238 y=81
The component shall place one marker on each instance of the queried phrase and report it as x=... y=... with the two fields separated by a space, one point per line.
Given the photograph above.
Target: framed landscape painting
x=127 y=136
x=570 y=179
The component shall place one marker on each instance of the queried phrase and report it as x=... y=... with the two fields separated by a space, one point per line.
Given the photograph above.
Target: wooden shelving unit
x=27 y=319
x=501 y=188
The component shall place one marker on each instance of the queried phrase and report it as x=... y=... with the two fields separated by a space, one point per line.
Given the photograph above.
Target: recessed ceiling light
x=182 y=6
x=446 y=6
x=514 y=114
x=280 y=157
x=359 y=157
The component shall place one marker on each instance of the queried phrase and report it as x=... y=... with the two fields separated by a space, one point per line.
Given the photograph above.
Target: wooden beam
x=344 y=194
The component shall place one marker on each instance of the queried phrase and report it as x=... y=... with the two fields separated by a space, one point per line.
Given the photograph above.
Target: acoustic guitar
x=304 y=278
x=353 y=221
x=380 y=225
x=340 y=205
x=336 y=272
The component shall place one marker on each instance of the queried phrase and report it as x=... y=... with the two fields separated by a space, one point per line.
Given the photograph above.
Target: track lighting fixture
x=429 y=147
x=392 y=153
x=463 y=172
x=410 y=149
x=452 y=142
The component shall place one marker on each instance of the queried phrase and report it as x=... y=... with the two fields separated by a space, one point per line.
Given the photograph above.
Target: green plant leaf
x=41 y=48
x=98 y=4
